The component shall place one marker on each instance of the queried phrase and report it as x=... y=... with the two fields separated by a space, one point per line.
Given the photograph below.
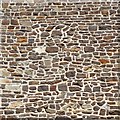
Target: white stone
x=39 y=49
x=13 y=87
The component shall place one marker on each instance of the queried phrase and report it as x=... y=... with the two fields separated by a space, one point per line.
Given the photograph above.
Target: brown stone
x=104 y=61
x=45 y=34
x=14 y=22
x=51 y=49
x=89 y=49
x=104 y=12
x=22 y=39
x=102 y=112
x=5 y=22
x=56 y=33
x=35 y=67
x=73 y=89
x=114 y=112
x=62 y=87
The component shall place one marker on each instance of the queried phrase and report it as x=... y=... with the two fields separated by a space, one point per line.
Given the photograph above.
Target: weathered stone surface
x=51 y=49
x=104 y=61
x=89 y=49
x=92 y=28
x=62 y=87
x=13 y=87
x=62 y=118
x=43 y=88
x=70 y=74
x=56 y=33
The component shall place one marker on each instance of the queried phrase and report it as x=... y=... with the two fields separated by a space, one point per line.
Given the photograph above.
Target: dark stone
x=14 y=22
x=87 y=89
x=102 y=112
x=67 y=59
x=39 y=109
x=61 y=112
x=96 y=89
x=5 y=22
x=92 y=28
x=62 y=87
x=9 y=112
x=96 y=108
x=70 y=74
x=43 y=88
x=89 y=49
x=81 y=75
x=104 y=27
x=56 y=33
x=114 y=112
x=62 y=118
x=45 y=34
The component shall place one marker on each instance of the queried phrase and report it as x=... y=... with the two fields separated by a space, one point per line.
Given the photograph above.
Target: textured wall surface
x=59 y=60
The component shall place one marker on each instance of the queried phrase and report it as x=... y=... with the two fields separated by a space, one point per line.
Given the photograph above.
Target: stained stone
x=44 y=34
x=92 y=28
x=14 y=22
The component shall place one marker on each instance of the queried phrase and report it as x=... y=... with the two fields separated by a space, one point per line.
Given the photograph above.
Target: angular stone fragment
x=70 y=74
x=89 y=49
x=62 y=87
x=51 y=49
x=56 y=33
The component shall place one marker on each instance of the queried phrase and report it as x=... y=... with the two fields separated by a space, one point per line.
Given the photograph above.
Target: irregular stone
x=87 y=106
x=29 y=72
x=39 y=50
x=62 y=87
x=56 y=33
x=114 y=112
x=81 y=75
x=104 y=12
x=51 y=111
x=39 y=109
x=45 y=34
x=96 y=108
x=4 y=72
x=96 y=89
x=73 y=89
x=60 y=112
x=15 y=104
x=62 y=118
x=14 y=22
x=5 y=22
x=89 y=49
x=22 y=39
x=67 y=59
x=87 y=89
x=104 y=61
x=35 y=67
x=43 y=88
x=104 y=27
x=13 y=87
x=51 y=49
x=102 y=111
x=47 y=63
x=70 y=74
x=5 y=81
x=92 y=28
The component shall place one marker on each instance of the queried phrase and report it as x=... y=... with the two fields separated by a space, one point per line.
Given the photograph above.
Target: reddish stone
x=53 y=88
x=5 y=22
x=104 y=61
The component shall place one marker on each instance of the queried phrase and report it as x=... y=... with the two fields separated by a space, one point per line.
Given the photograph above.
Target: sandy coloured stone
x=22 y=39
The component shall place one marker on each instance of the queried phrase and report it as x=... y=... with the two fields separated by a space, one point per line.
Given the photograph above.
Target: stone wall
x=59 y=60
